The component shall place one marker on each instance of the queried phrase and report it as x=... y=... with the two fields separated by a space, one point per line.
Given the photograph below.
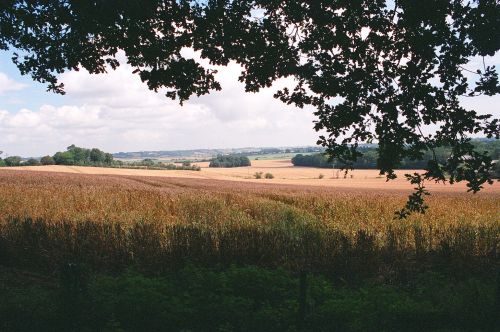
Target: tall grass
x=113 y=222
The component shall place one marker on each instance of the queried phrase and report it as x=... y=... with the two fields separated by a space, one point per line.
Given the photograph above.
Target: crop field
x=110 y=220
x=127 y=253
x=283 y=171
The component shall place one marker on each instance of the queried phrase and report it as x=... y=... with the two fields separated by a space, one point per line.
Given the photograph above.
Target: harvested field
x=284 y=173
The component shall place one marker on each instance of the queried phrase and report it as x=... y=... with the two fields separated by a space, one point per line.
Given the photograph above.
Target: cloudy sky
x=116 y=112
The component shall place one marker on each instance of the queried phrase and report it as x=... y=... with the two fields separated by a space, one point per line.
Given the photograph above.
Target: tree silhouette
x=391 y=72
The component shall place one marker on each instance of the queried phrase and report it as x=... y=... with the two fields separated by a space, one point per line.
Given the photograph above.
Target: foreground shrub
x=242 y=299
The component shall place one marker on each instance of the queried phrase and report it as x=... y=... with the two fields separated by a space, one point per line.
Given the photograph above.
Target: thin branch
x=470 y=71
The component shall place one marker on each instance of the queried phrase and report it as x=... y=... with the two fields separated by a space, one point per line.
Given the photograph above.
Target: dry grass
x=109 y=221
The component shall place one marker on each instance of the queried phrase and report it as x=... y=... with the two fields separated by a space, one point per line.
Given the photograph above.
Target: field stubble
x=283 y=173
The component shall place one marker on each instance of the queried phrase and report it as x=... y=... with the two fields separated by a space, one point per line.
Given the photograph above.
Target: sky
x=116 y=112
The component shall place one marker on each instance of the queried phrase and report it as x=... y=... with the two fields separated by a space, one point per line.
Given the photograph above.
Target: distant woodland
x=230 y=161
x=370 y=155
x=78 y=156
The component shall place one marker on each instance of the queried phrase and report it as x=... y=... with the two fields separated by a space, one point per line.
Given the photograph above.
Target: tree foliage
x=75 y=155
x=159 y=165
x=47 y=160
x=312 y=160
x=394 y=72
x=31 y=162
x=370 y=157
x=13 y=161
x=230 y=161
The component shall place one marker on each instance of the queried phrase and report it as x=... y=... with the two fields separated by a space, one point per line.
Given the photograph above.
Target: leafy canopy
x=230 y=161
x=373 y=70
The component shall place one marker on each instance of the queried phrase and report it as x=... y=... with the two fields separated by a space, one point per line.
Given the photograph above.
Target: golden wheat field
x=283 y=171
x=109 y=220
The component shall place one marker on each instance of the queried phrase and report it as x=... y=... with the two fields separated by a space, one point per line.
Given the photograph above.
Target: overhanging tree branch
x=407 y=72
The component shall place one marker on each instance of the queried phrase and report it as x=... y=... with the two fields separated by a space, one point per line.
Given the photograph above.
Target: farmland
x=282 y=169
x=190 y=228
x=159 y=225
x=137 y=198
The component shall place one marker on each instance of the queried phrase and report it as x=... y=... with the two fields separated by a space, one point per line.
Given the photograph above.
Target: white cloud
x=117 y=112
x=7 y=84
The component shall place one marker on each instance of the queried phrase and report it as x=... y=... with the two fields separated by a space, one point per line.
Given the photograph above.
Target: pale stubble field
x=282 y=170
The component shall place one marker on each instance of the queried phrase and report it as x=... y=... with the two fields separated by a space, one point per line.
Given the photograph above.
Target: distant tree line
x=152 y=164
x=370 y=155
x=202 y=154
x=312 y=160
x=230 y=161
x=78 y=156
x=13 y=161
x=72 y=156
